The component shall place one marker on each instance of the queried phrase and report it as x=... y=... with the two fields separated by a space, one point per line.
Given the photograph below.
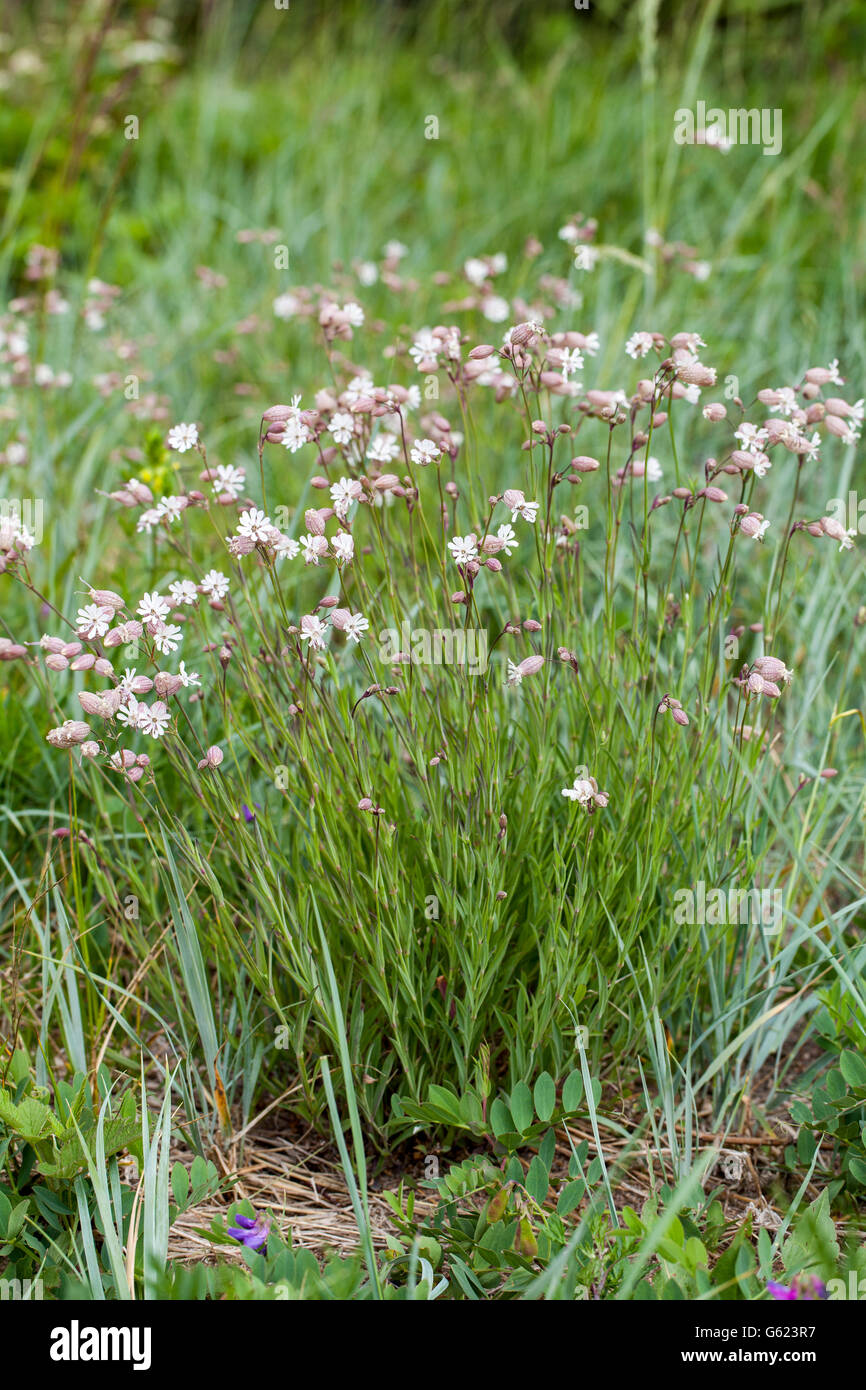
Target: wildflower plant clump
x=483 y=850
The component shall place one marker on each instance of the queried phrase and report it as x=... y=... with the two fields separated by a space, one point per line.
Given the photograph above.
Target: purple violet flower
x=249 y=1231
x=805 y=1286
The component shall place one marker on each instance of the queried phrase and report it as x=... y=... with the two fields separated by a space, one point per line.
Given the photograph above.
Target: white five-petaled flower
x=585 y=791
x=569 y=361
x=183 y=437
x=128 y=713
x=168 y=638
x=286 y=545
x=183 y=592
x=752 y=437
x=187 y=678
x=786 y=402
x=383 y=449
x=354 y=626
x=424 y=451
x=754 y=526
x=314 y=547
x=514 y=498
x=148 y=520
x=170 y=508
x=585 y=258
x=358 y=387
x=343 y=545
x=639 y=344
x=343 y=494
x=342 y=426
x=255 y=524
x=463 y=549
x=153 y=608
x=228 y=479
x=214 y=584
x=508 y=536
x=153 y=719
x=295 y=433
x=93 y=621
x=313 y=630
x=425 y=348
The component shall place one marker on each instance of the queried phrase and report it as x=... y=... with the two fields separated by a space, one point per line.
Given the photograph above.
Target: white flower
x=639 y=344
x=754 y=526
x=508 y=536
x=495 y=309
x=153 y=608
x=425 y=347
x=570 y=361
x=93 y=621
x=383 y=449
x=568 y=233
x=368 y=273
x=286 y=305
x=354 y=626
x=255 y=525
x=359 y=386
x=653 y=469
x=214 y=584
x=515 y=499
x=170 y=508
x=187 y=677
x=148 y=520
x=353 y=313
x=129 y=712
x=752 y=437
x=286 y=545
x=183 y=437
x=591 y=344
x=313 y=630
x=183 y=591
x=343 y=545
x=515 y=675
x=463 y=549
x=424 y=451
x=168 y=638
x=787 y=402
x=810 y=446
x=343 y=493
x=228 y=479
x=762 y=465
x=14 y=535
x=131 y=684
x=153 y=719
x=475 y=270
x=581 y=791
x=295 y=436
x=314 y=547
x=585 y=258
x=342 y=426
x=295 y=433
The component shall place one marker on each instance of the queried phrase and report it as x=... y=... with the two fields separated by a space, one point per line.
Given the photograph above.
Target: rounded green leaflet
x=572 y=1092
x=544 y=1095
x=520 y=1104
